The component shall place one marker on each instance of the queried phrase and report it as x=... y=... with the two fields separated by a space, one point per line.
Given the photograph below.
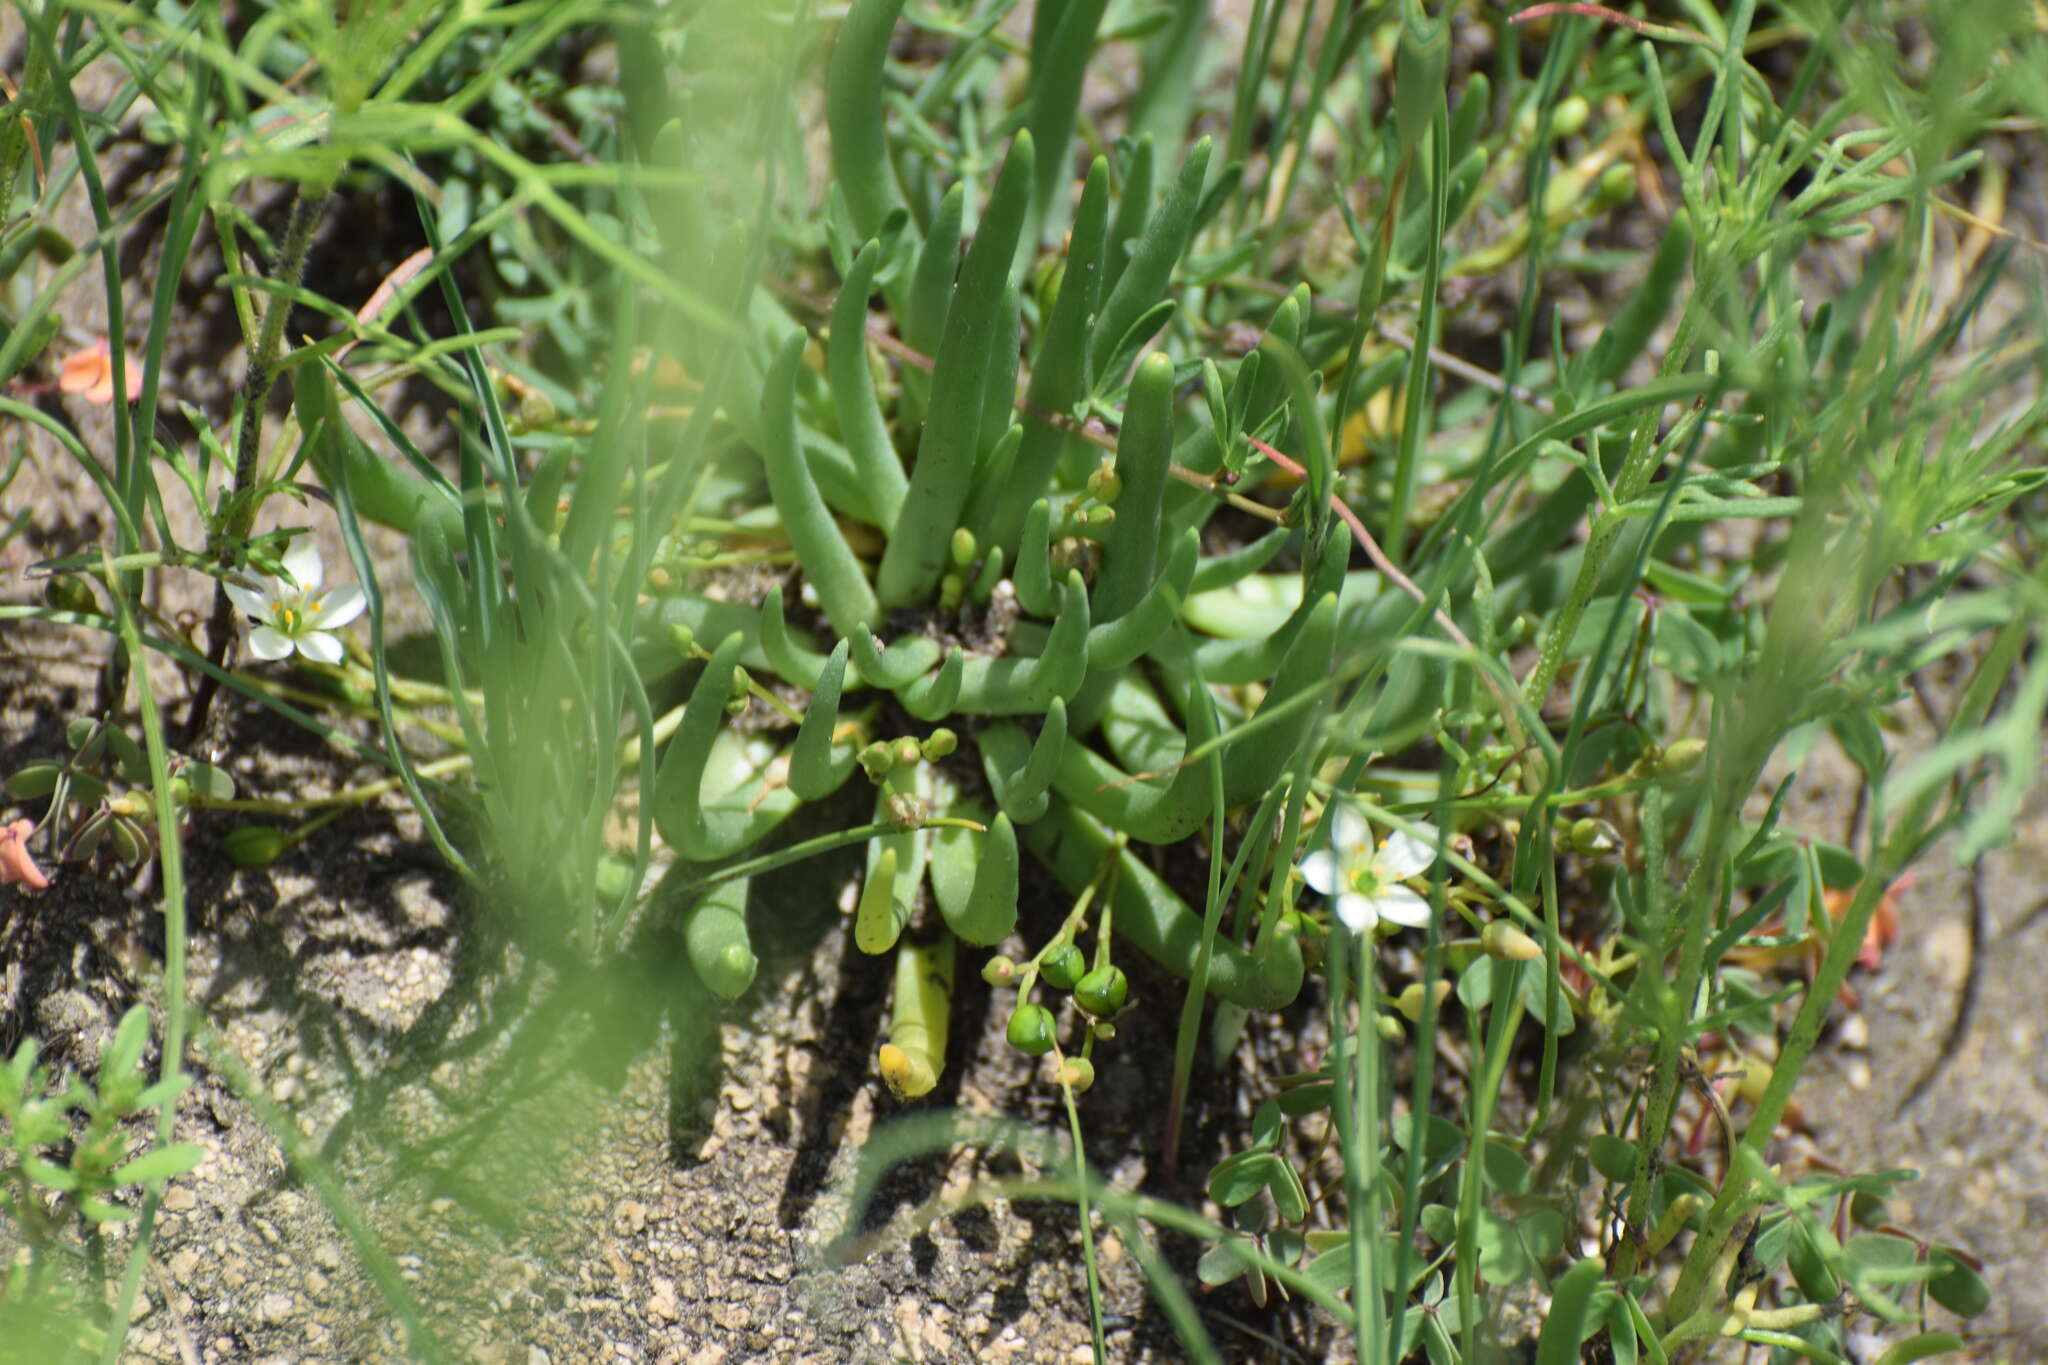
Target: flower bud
x=684 y=639
x=963 y=547
x=1062 y=966
x=1390 y=1027
x=907 y=752
x=1077 y=1074
x=938 y=744
x=1103 y=1030
x=1503 y=940
x=1102 y=991
x=952 y=588
x=877 y=759
x=1031 y=1030
x=1409 y=1002
x=1100 y=515
x=1000 y=972
x=1105 y=484
x=255 y=845
x=740 y=693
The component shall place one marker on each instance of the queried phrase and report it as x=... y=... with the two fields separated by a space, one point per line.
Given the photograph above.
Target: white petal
x=266 y=643
x=341 y=606
x=251 y=600
x=302 y=562
x=1358 y=912
x=1319 y=869
x=1348 y=829
x=1404 y=855
x=1402 y=906
x=318 y=644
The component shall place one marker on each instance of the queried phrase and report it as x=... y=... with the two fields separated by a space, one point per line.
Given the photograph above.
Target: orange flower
x=1883 y=930
x=15 y=864
x=90 y=373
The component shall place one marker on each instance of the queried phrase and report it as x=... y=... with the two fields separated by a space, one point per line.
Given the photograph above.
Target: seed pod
x=1409 y=1002
x=1503 y=940
x=1616 y=186
x=1102 y=991
x=1593 y=836
x=1031 y=1030
x=1062 y=967
x=255 y=845
x=1682 y=756
x=66 y=592
x=1569 y=116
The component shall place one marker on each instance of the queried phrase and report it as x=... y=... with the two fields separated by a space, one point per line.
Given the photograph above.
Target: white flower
x=1364 y=878
x=292 y=614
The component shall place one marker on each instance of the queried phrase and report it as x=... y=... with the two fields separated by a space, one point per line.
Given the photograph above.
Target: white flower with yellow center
x=1363 y=878
x=291 y=613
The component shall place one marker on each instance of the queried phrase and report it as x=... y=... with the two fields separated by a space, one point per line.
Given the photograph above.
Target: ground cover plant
x=1125 y=476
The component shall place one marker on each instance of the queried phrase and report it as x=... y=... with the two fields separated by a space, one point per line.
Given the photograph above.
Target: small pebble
x=1854 y=1032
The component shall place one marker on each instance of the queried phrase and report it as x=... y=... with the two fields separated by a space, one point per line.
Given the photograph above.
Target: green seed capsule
x=1062 y=967
x=1593 y=836
x=1031 y=1030
x=1102 y=991
x=255 y=845
x=1569 y=116
x=1682 y=757
x=1503 y=940
x=68 y=593
x=1617 y=185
